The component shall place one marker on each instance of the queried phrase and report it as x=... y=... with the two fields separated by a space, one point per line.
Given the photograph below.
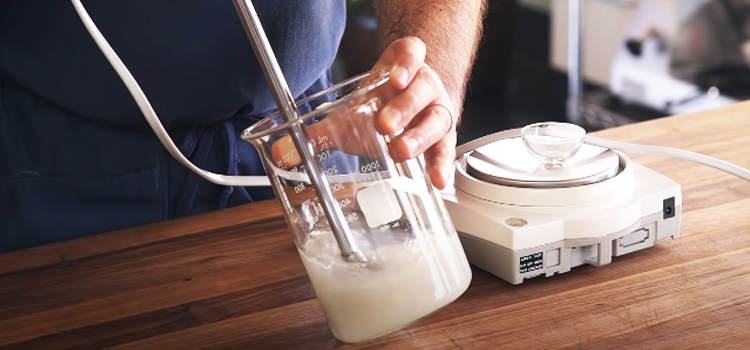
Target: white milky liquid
x=408 y=281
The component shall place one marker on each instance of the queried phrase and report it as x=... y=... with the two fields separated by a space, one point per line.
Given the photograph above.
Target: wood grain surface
x=232 y=279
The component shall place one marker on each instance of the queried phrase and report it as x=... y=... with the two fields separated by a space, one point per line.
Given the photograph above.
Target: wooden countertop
x=232 y=279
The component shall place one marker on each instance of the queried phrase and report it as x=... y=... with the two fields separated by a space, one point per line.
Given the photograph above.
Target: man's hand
x=421 y=106
x=427 y=86
x=414 y=100
x=451 y=30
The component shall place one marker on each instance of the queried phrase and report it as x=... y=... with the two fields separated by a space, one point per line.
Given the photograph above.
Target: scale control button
x=515 y=222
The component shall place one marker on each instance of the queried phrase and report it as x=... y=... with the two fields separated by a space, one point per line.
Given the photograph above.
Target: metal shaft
x=288 y=108
x=575 y=85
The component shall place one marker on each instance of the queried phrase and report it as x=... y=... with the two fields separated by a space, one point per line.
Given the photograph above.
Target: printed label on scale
x=531 y=262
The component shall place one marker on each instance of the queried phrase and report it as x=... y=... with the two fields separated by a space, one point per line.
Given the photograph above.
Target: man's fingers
x=284 y=153
x=433 y=124
x=403 y=57
x=414 y=100
x=440 y=158
x=399 y=111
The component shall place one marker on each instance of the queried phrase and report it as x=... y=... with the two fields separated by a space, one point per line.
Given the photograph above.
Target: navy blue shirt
x=77 y=156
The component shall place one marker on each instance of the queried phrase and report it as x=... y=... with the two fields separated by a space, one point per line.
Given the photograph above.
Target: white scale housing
x=518 y=229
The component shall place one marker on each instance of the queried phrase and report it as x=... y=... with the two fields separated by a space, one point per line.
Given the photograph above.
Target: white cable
x=621 y=146
x=670 y=152
x=148 y=110
x=486 y=140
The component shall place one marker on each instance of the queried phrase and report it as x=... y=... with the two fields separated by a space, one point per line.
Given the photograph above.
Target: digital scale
x=518 y=219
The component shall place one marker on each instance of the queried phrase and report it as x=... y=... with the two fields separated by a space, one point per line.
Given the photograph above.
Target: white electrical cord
x=620 y=146
x=670 y=152
x=486 y=140
x=148 y=110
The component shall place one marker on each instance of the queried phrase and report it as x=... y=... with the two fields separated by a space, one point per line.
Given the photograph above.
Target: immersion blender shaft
x=288 y=108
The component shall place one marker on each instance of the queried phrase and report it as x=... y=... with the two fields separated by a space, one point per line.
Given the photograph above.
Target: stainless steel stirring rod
x=288 y=108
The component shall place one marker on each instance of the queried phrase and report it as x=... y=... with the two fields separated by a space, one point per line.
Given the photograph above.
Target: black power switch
x=668 y=208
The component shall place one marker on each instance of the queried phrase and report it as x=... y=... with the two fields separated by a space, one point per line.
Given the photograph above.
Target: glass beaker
x=414 y=261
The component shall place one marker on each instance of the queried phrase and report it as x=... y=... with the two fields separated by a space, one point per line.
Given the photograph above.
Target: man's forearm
x=450 y=28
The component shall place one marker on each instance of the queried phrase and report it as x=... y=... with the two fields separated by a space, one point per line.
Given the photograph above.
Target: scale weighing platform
x=519 y=219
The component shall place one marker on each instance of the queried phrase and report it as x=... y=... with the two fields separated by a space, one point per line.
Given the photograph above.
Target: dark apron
x=76 y=156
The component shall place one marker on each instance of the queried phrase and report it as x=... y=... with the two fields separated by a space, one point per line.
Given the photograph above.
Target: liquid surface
x=407 y=280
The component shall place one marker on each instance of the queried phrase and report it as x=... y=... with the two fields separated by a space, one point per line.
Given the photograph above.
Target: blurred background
x=639 y=60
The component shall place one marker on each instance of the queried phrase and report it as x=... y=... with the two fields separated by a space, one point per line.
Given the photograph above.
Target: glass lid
x=508 y=162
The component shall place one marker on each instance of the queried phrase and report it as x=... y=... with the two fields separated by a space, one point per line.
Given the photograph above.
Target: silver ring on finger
x=450 y=115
